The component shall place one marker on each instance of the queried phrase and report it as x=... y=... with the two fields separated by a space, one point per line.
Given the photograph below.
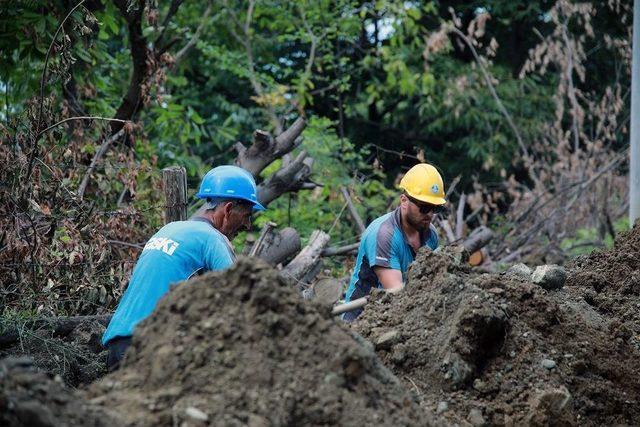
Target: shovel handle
x=349 y=306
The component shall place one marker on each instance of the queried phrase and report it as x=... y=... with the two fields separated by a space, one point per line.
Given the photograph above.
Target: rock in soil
x=478 y=341
x=550 y=277
x=519 y=270
x=241 y=347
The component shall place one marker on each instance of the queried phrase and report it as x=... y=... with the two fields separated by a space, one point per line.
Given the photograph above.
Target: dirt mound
x=609 y=280
x=30 y=397
x=496 y=349
x=78 y=358
x=242 y=348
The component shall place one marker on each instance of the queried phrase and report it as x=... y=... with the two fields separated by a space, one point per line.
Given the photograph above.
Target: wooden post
x=174 y=182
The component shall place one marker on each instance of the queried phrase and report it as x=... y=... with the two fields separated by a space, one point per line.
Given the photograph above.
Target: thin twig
x=501 y=106
x=204 y=20
x=352 y=210
x=32 y=154
x=68 y=119
x=133 y=245
x=46 y=63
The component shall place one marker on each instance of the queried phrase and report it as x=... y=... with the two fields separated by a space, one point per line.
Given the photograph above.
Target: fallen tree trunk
x=478 y=239
x=308 y=257
x=279 y=247
x=341 y=250
x=60 y=326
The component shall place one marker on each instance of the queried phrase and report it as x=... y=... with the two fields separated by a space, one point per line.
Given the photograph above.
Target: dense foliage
x=382 y=83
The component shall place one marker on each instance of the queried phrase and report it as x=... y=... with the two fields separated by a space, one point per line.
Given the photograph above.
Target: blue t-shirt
x=384 y=245
x=175 y=253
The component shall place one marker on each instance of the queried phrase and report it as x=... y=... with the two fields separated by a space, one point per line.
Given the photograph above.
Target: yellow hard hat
x=423 y=182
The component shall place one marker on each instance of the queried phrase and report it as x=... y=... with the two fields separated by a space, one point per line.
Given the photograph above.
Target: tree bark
x=308 y=257
x=174 y=183
x=292 y=177
x=265 y=149
x=279 y=247
x=479 y=238
x=141 y=57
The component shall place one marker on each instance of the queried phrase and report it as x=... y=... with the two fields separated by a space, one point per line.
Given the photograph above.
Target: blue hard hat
x=230 y=182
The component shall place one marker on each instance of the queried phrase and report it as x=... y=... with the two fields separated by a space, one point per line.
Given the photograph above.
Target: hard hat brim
x=433 y=200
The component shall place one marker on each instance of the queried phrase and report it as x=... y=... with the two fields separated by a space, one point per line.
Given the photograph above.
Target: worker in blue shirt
x=182 y=249
x=390 y=243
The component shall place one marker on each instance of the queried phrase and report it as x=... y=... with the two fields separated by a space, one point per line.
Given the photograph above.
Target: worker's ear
x=228 y=206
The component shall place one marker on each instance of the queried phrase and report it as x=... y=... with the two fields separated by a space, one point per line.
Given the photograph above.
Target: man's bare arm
x=390 y=279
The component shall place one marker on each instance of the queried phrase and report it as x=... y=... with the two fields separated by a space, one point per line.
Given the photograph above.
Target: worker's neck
x=407 y=228
x=214 y=217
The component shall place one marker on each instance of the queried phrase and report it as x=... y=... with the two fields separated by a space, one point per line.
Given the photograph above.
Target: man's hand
x=390 y=279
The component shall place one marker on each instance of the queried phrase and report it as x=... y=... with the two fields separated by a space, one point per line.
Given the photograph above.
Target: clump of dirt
x=30 y=397
x=242 y=348
x=609 y=280
x=496 y=349
x=78 y=358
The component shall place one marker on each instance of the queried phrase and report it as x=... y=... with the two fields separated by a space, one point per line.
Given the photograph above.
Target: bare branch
x=96 y=157
x=494 y=94
x=173 y=9
x=265 y=150
x=196 y=36
x=289 y=178
x=460 y=216
x=68 y=119
x=352 y=210
x=32 y=154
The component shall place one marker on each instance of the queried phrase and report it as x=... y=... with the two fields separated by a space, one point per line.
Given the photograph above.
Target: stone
x=550 y=277
x=519 y=270
x=442 y=407
x=387 y=340
x=399 y=355
x=475 y=418
x=548 y=363
x=548 y=405
x=196 y=414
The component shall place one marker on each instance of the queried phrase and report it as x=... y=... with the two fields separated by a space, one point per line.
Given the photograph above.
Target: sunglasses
x=425 y=208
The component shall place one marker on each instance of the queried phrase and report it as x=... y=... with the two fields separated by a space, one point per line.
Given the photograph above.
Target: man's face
x=418 y=214
x=237 y=217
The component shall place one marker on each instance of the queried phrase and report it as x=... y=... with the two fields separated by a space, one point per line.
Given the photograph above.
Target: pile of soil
x=30 y=397
x=77 y=358
x=497 y=349
x=242 y=348
x=609 y=280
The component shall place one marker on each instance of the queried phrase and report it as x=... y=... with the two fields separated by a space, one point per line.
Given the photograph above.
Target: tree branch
x=141 y=58
x=265 y=150
x=289 y=178
x=196 y=36
x=96 y=157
